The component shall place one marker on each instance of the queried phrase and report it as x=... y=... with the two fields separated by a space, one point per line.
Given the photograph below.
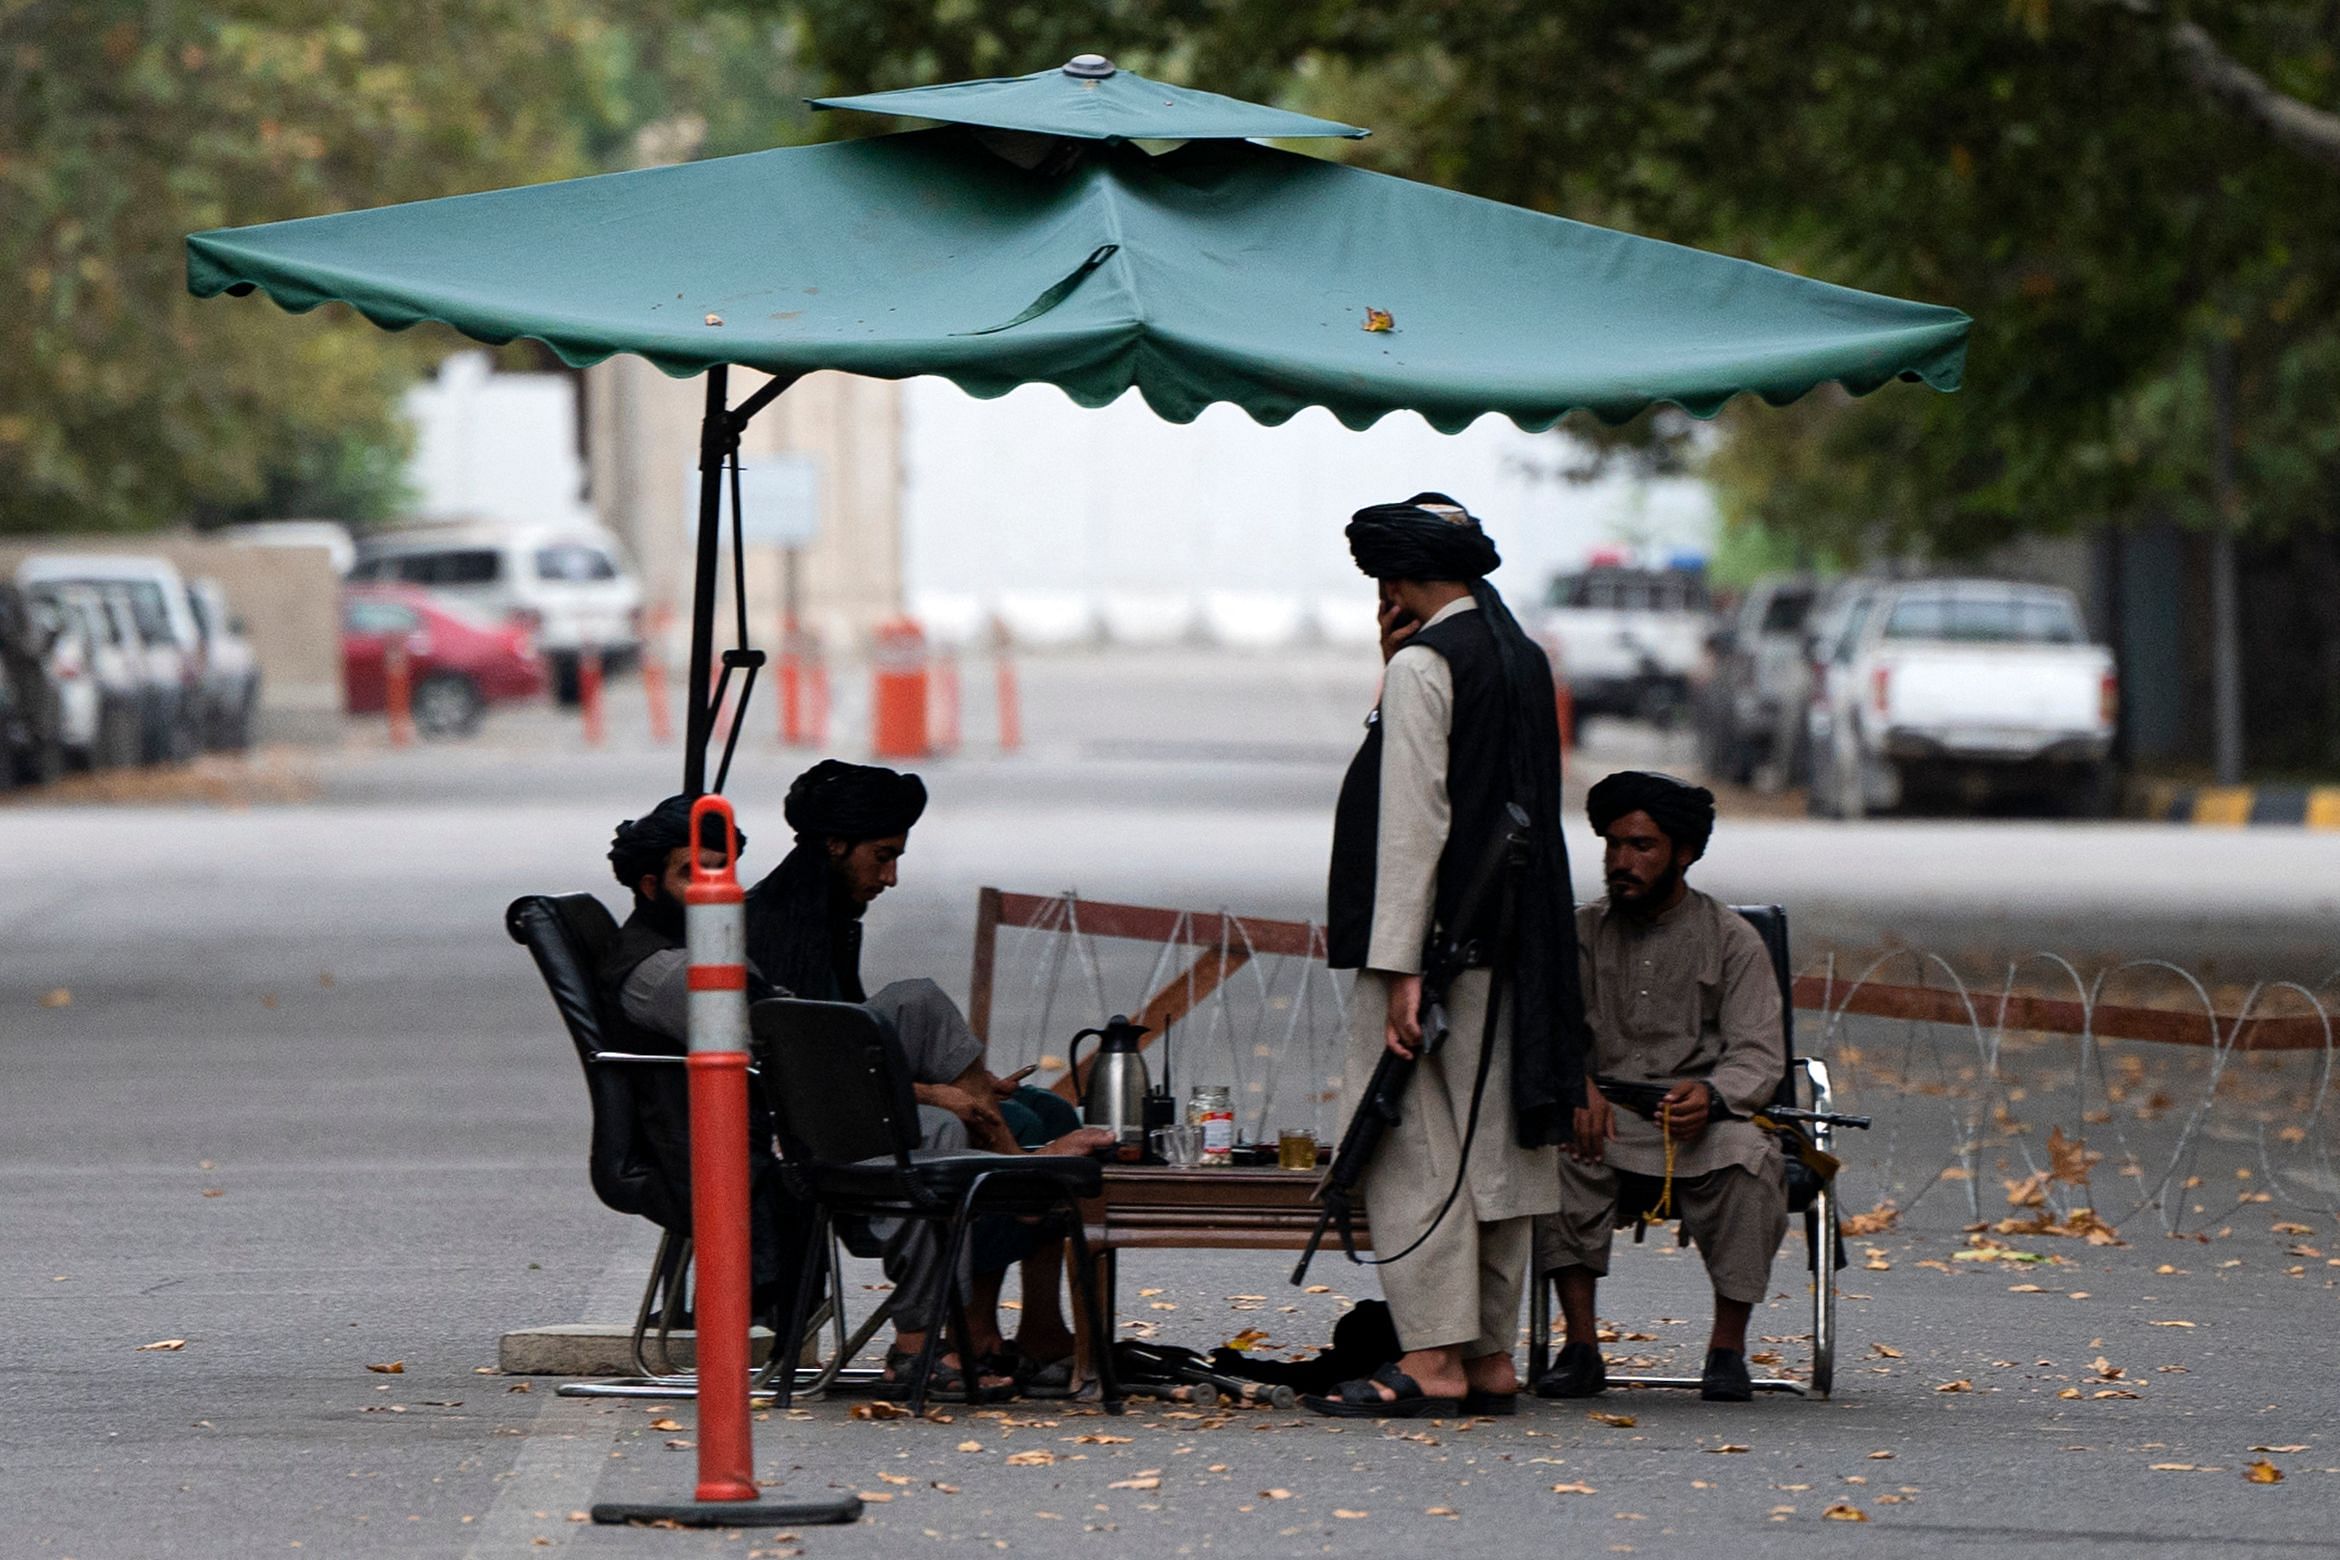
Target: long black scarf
x=1549 y=1039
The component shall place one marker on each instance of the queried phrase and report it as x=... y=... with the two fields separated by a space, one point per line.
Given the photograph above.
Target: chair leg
x=636 y=1343
x=1092 y=1299
x=675 y=1296
x=1539 y=1323
x=785 y=1347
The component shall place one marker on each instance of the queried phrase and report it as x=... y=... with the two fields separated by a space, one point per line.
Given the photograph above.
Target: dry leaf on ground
x=1887 y=1350
x=1727 y=1446
x=1035 y=1458
x=2263 y=1472
x=1842 y=1512
x=163 y=1346
x=2299 y=1448
x=61 y=997
x=1145 y=1481
x=391 y=1368
x=1875 y=1222
x=1621 y=1421
x=1351 y=1516
x=1960 y=1385
x=878 y=1409
x=1574 y=1489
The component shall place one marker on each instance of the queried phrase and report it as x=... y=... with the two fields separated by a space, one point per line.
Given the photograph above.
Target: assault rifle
x=1448 y=955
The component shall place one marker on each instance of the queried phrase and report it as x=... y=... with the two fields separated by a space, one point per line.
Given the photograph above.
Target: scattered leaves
x=391 y=1368
x=714 y=319
x=1875 y=1222
x=1727 y=1446
x=1620 y=1421
x=1144 y=1481
x=1960 y=1385
x=2263 y=1472
x=163 y=1346
x=1037 y=1457
x=1887 y=1350
x=878 y=1408
x=1844 y=1512
x=1247 y=1340
x=1351 y=1516
x=1574 y=1489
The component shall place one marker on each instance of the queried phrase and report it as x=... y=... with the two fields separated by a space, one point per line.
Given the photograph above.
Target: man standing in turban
x=1466 y=727
x=804 y=932
x=1681 y=996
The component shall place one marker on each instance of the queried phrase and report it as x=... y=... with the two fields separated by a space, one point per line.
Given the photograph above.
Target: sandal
x=1051 y=1379
x=1359 y=1400
x=946 y=1383
x=1493 y=1405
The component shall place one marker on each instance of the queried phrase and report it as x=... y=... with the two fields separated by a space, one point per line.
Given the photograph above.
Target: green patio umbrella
x=1027 y=239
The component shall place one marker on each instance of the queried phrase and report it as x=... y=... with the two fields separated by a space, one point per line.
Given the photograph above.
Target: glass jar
x=1212 y=1108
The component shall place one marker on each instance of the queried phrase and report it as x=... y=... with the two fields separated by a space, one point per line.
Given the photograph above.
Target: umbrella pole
x=718 y=433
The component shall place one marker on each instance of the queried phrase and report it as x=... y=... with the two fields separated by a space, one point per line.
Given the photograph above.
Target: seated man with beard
x=1681 y=996
x=646 y=982
x=852 y=824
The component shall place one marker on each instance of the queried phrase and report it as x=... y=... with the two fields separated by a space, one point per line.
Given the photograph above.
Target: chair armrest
x=629 y=1058
x=1823 y=1096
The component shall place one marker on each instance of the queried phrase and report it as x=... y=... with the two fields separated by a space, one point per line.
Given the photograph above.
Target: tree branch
x=2305 y=128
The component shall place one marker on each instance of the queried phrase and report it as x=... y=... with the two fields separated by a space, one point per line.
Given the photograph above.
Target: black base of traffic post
x=732 y=1513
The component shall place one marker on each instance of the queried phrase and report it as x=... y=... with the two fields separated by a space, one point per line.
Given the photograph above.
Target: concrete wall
x=289 y=599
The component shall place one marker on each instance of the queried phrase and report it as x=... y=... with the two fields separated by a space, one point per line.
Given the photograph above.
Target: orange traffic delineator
x=717 y=1067
x=589 y=692
x=1011 y=714
x=945 y=689
x=398 y=694
x=817 y=721
x=898 y=691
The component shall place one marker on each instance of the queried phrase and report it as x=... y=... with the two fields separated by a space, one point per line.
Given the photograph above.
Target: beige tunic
x=1417 y=1164
x=1690 y=995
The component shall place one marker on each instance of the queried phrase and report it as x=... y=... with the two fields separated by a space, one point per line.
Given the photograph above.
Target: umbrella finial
x=1089 y=67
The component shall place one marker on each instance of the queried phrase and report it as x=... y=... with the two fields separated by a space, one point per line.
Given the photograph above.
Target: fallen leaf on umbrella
x=1621 y=1421
x=1841 y=1512
x=1379 y=320
x=714 y=319
x=163 y=1346
x=393 y=1368
x=2263 y=1472
x=1035 y=1458
x=878 y=1410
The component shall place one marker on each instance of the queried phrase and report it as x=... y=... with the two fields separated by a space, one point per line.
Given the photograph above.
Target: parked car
x=170 y=638
x=570 y=588
x=1752 y=704
x=1627 y=639
x=96 y=655
x=458 y=663
x=231 y=672
x=1965 y=691
x=32 y=702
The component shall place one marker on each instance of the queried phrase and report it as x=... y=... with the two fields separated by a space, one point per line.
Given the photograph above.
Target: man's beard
x=663 y=914
x=1646 y=900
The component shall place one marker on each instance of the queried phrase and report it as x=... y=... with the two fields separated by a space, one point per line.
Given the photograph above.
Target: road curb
x=2240 y=806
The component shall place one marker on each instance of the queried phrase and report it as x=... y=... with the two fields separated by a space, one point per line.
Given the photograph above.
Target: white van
x=571 y=587
x=171 y=639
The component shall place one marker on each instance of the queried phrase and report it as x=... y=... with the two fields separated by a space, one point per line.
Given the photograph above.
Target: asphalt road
x=308 y=1110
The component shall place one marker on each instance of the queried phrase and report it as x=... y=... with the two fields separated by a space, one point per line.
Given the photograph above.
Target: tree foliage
x=2070 y=172
x=125 y=403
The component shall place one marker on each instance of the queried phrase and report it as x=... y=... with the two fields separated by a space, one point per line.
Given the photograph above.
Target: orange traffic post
x=791 y=683
x=589 y=692
x=1011 y=714
x=398 y=694
x=898 y=691
x=715 y=922
x=946 y=702
x=654 y=678
x=817 y=724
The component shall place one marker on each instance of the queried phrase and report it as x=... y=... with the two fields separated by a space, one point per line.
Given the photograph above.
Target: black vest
x=1476 y=785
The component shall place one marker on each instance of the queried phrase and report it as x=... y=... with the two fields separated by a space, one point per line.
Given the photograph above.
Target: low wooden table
x=1208 y=1208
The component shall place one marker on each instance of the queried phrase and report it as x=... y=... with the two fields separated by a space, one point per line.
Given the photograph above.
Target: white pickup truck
x=1960 y=691
x=1627 y=639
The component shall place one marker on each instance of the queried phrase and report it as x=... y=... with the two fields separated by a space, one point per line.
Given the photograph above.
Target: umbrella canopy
x=1222 y=270
x=1088 y=99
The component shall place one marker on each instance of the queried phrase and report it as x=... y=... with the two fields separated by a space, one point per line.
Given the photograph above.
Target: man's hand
x=1396 y=628
x=986 y=1128
x=1685 y=1109
x=1596 y=1126
x=1403 y=1031
x=1001 y=1088
x=1081 y=1140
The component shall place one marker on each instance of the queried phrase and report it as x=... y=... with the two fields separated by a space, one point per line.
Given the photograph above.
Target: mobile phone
x=1021 y=1073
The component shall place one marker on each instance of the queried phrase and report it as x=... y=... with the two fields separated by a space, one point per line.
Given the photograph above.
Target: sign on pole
x=779 y=500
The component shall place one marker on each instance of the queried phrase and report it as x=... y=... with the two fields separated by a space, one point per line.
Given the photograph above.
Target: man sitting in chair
x=646 y=979
x=804 y=931
x=1680 y=994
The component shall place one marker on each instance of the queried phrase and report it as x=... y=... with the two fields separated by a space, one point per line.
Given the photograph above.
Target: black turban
x=799 y=935
x=836 y=800
x=1409 y=541
x=1549 y=1040
x=640 y=846
x=1684 y=811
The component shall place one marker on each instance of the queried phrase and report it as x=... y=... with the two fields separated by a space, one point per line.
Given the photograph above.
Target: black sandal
x=946 y=1383
x=1359 y=1400
x=1493 y=1405
x=1035 y=1379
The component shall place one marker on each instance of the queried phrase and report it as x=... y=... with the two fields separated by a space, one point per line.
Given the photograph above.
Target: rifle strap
x=1462 y=1168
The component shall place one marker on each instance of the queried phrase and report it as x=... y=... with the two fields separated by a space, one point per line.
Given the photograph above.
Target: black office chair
x=841 y=1098
x=1809 y=1193
x=569 y=936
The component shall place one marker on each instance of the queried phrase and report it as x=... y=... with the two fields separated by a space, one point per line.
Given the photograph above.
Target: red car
x=457 y=664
